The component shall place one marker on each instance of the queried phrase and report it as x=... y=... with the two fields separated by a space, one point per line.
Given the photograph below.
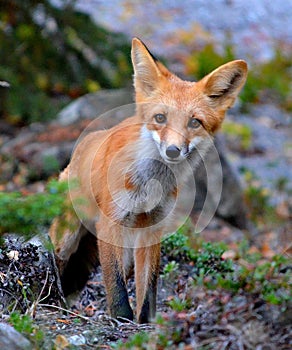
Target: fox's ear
x=146 y=68
x=224 y=84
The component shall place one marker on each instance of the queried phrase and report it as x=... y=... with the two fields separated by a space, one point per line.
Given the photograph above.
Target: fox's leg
x=147 y=261
x=111 y=260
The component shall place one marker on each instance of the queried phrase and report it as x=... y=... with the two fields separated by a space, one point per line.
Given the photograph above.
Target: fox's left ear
x=224 y=84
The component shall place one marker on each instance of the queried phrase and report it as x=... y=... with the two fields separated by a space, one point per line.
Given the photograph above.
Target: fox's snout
x=172 y=152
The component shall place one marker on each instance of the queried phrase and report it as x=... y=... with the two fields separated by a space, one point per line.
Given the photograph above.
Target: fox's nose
x=172 y=151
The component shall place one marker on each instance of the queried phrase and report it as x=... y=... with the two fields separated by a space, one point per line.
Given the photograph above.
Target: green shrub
x=266 y=81
x=207 y=259
x=27 y=215
x=48 y=61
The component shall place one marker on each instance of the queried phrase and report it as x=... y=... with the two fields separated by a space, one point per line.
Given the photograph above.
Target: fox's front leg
x=111 y=260
x=147 y=261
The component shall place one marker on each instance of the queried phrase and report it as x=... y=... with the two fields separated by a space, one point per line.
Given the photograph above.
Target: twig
x=48 y=294
x=18 y=301
x=70 y=312
x=32 y=310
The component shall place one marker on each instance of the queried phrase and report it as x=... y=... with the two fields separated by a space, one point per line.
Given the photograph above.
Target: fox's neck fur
x=156 y=183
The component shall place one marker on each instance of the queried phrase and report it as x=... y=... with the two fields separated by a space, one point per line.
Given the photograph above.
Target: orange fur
x=173 y=119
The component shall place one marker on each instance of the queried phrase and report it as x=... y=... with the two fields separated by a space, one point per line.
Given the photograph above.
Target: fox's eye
x=194 y=123
x=160 y=118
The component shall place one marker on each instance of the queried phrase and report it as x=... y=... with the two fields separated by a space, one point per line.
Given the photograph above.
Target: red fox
x=132 y=174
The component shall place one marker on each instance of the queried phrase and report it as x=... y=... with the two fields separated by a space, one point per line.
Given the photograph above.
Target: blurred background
x=54 y=52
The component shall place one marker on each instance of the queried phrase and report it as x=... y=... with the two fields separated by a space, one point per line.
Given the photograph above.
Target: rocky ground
x=216 y=318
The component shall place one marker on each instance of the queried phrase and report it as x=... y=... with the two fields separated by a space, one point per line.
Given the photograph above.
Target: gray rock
x=225 y=197
x=10 y=339
x=93 y=105
x=77 y=340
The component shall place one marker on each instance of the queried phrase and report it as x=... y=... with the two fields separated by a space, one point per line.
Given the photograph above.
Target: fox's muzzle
x=172 y=152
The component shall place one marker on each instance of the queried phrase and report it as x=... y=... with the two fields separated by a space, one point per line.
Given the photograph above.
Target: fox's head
x=179 y=115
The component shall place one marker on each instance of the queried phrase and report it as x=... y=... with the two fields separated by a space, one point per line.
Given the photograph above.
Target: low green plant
x=178 y=304
x=25 y=325
x=212 y=271
x=209 y=261
x=136 y=341
x=264 y=279
x=178 y=245
x=207 y=258
x=161 y=338
x=170 y=269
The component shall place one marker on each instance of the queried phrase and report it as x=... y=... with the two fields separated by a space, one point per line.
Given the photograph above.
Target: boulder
x=10 y=339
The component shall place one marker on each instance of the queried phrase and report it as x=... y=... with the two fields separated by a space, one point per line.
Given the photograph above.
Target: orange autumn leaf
x=267 y=251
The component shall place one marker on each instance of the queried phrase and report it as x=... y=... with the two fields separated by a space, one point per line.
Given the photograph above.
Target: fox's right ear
x=146 y=68
x=224 y=84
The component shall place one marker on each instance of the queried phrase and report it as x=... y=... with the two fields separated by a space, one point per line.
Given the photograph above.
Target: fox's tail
x=76 y=271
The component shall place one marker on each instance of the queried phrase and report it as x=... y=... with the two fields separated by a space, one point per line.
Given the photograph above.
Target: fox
x=130 y=177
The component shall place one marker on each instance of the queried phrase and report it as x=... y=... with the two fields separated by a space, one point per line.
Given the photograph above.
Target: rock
x=10 y=339
x=93 y=105
x=231 y=205
x=47 y=148
x=77 y=340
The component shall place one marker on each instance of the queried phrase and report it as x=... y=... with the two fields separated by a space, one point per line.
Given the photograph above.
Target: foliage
x=270 y=80
x=263 y=279
x=164 y=339
x=207 y=258
x=55 y=53
x=241 y=132
x=248 y=276
x=257 y=199
x=170 y=269
x=263 y=81
x=202 y=62
x=177 y=245
x=178 y=304
x=247 y=273
x=28 y=214
x=24 y=324
x=137 y=341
